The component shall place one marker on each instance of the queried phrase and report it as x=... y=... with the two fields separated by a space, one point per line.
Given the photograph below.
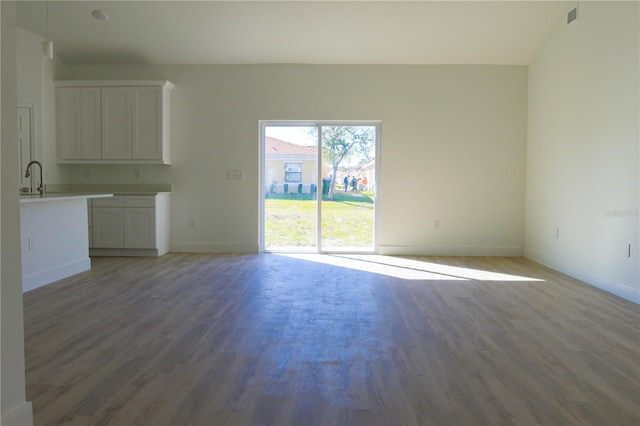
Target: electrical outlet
x=628 y=250
x=31 y=243
x=235 y=174
x=557 y=233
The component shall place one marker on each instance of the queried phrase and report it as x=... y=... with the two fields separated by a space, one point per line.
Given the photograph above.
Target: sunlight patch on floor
x=408 y=269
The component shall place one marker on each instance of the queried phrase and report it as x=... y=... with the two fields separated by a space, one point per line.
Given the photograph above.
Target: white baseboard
x=20 y=416
x=507 y=251
x=589 y=277
x=41 y=278
x=125 y=252
x=214 y=248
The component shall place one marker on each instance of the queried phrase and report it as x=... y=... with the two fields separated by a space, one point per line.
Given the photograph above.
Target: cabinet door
x=146 y=123
x=108 y=227
x=140 y=227
x=116 y=123
x=78 y=122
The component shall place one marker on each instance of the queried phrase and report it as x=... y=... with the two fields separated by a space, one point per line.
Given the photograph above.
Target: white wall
x=582 y=152
x=29 y=59
x=13 y=407
x=453 y=148
x=36 y=89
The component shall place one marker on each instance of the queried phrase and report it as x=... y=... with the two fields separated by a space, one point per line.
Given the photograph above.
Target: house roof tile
x=275 y=146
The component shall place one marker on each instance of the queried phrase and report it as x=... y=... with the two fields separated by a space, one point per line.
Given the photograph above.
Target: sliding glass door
x=319 y=186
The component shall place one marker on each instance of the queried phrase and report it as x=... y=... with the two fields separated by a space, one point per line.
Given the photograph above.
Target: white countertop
x=108 y=188
x=59 y=196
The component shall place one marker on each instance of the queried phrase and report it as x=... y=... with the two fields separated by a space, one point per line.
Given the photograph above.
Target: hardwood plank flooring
x=200 y=339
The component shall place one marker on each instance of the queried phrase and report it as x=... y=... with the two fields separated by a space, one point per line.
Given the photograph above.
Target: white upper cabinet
x=132 y=122
x=116 y=123
x=78 y=123
x=146 y=123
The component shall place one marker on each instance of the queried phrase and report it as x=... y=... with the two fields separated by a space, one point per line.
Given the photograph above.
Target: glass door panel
x=347 y=220
x=290 y=188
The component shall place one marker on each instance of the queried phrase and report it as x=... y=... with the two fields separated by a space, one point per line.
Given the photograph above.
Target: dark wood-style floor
x=196 y=339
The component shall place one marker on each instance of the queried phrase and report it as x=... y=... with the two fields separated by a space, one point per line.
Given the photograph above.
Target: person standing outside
x=365 y=182
x=345 y=182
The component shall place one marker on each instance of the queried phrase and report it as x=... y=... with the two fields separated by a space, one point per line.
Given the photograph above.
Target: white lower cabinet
x=139 y=227
x=130 y=225
x=108 y=227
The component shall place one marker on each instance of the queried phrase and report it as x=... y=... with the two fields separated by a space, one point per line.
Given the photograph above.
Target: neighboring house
x=291 y=164
x=367 y=170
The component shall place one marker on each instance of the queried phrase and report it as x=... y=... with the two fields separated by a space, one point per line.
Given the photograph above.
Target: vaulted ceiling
x=312 y=32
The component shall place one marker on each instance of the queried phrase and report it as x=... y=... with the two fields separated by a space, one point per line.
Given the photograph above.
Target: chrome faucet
x=41 y=187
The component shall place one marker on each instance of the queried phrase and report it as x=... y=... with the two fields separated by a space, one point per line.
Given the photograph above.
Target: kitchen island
x=54 y=237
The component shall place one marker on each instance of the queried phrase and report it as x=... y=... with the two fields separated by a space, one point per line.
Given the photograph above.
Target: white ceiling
x=313 y=32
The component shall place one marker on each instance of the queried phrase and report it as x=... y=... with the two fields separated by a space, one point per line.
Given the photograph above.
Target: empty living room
x=320 y=212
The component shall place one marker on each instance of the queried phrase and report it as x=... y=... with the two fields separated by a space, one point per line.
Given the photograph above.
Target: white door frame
x=32 y=153
x=263 y=124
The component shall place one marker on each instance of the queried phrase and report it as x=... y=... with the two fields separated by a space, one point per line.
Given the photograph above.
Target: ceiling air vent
x=572 y=14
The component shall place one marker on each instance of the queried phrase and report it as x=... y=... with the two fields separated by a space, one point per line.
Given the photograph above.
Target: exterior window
x=293 y=171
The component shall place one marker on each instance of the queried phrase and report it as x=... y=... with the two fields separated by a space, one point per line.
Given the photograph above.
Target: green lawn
x=347 y=221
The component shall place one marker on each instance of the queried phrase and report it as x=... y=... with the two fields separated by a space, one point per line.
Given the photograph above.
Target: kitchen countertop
x=60 y=196
x=61 y=192
x=116 y=189
x=116 y=193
